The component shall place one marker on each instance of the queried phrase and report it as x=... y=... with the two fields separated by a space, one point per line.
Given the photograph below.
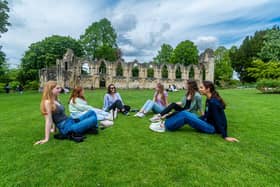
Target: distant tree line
x=258 y=57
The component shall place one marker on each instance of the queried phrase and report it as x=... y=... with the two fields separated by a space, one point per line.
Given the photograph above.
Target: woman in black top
x=54 y=112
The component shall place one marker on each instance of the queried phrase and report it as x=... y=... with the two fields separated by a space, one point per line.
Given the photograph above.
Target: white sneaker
x=115 y=113
x=110 y=116
x=139 y=114
x=106 y=123
x=157 y=127
x=156 y=118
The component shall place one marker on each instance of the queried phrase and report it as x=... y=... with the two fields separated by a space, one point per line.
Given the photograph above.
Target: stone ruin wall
x=68 y=72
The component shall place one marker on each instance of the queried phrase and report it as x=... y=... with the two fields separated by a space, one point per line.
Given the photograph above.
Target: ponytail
x=214 y=93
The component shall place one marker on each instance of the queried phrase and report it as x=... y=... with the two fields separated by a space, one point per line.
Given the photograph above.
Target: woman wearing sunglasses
x=113 y=101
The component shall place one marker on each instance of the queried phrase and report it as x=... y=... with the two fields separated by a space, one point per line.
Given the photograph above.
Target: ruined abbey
x=72 y=71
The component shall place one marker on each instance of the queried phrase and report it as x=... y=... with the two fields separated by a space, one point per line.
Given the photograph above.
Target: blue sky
x=142 y=26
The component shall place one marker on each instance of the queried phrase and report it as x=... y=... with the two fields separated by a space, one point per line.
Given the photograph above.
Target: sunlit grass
x=129 y=154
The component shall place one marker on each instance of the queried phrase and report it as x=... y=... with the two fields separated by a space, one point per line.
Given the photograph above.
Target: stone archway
x=102 y=82
x=102 y=68
x=191 y=73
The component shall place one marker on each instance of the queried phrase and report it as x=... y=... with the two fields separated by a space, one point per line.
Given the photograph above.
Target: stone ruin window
x=191 y=74
x=178 y=73
x=66 y=66
x=119 y=70
x=164 y=72
x=85 y=69
x=203 y=73
x=135 y=71
x=150 y=72
x=102 y=68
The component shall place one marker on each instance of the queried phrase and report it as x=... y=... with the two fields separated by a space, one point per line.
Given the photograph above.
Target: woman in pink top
x=158 y=103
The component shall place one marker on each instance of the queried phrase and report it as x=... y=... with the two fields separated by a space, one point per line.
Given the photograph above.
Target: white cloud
x=204 y=42
x=142 y=26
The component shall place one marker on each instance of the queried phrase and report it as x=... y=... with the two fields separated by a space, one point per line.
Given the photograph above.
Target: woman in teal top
x=191 y=102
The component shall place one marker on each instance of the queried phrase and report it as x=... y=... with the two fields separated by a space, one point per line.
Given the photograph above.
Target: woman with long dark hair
x=191 y=102
x=158 y=104
x=213 y=121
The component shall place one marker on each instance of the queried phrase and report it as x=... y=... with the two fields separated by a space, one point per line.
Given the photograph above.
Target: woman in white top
x=78 y=106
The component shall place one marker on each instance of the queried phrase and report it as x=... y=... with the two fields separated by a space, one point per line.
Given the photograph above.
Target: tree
x=3 y=66
x=164 y=54
x=4 y=9
x=44 y=54
x=185 y=53
x=223 y=69
x=242 y=58
x=107 y=53
x=271 y=46
x=100 y=40
x=261 y=70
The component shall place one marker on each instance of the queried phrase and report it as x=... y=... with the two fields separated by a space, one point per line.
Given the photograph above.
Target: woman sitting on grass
x=213 y=121
x=113 y=101
x=158 y=104
x=78 y=106
x=54 y=112
x=191 y=102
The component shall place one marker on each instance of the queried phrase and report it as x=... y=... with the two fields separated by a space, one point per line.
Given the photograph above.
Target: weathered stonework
x=69 y=72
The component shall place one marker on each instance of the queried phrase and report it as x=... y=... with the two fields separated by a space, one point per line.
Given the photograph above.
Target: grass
x=129 y=154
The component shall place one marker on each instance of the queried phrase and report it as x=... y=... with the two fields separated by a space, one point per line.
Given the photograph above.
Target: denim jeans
x=151 y=105
x=184 y=117
x=86 y=122
x=101 y=114
x=117 y=104
x=170 y=107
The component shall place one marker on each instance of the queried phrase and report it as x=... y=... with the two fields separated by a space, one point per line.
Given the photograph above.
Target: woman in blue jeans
x=191 y=102
x=54 y=112
x=213 y=121
x=158 y=104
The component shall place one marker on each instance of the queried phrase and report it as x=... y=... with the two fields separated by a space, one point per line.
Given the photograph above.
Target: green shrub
x=32 y=85
x=2 y=86
x=14 y=84
x=228 y=84
x=269 y=85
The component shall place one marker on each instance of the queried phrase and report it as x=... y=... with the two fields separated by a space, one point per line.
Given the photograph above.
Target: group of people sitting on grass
x=84 y=118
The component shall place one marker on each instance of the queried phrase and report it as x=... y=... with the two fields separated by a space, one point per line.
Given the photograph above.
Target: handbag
x=127 y=108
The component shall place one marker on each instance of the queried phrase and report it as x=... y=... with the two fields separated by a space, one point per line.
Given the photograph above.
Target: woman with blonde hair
x=54 y=112
x=158 y=104
x=78 y=106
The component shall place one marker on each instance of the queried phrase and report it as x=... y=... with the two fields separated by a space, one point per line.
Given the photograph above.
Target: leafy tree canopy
x=44 y=54
x=185 y=53
x=223 y=69
x=4 y=9
x=100 y=40
x=164 y=54
x=261 y=70
x=271 y=46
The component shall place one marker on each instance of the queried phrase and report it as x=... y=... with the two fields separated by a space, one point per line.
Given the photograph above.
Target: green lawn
x=129 y=154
